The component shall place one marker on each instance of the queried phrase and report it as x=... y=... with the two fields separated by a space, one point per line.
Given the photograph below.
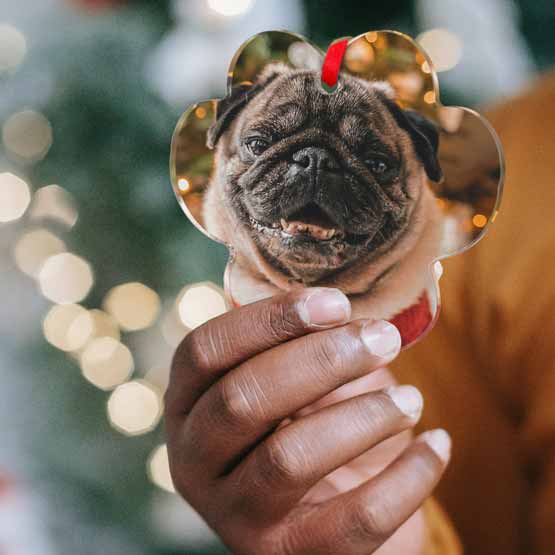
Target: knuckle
x=373 y=521
x=280 y=464
x=193 y=352
x=330 y=355
x=282 y=320
x=235 y=403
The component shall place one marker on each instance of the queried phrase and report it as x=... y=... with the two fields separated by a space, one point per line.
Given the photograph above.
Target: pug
x=317 y=188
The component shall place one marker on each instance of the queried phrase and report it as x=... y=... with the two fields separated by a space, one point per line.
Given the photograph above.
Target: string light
x=106 y=363
x=13 y=47
x=27 y=135
x=443 y=47
x=33 y=248
x=134 y=305
x=54 y=203
x=68 y=327
x=134 y=408
x=159 y=468
x=15 y=197
x=196 y=304
x=230 y=8
x=65 y=278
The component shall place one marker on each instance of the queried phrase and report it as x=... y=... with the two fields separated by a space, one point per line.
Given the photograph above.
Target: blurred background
x=101 y=274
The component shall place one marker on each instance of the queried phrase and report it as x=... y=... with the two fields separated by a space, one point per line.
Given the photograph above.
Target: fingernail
x=407 y=399
x=325 y=307
x=381 y=338
x=439 y=441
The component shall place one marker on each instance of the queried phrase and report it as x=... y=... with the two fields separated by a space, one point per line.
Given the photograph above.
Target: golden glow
x=430 y=97
x=372 y=36
x=13 y=47
x=65 y=278
x=15 y=197
x=200 y=112
x=443 y=47
x=159 y=468
x=106 y=363
x=54 y=203
x=134 y=408
x=359 y=56
x=426 y=67
x=479 y=220
x=230 y=8
x=68 y=327
x=27 y=135
x=33 y=248
x=184 y=185
x=134 y=306
x=199 y=303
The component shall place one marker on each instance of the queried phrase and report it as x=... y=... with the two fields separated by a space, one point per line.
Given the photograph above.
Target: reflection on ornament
x=159 y=468
x=15 y=197
x=359 y=56
x=430 y=97
x=200 y=112
x=134 y=408
x=479 y=220
x=184 y=184
x=372 y=36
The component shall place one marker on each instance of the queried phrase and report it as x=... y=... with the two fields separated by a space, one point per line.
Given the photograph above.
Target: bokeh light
x=184 y=185
x=134 y=305
x=27 y=135
x=198 y=303
x=106 y=363
x=479 y=220
x=159 y=468
x=134 y=408
x=13 y=47
x=68 y=327
x=105 y=324
x=15 y=197
x=65 y=278
x=230 y=8
x=34 y=247
x=442 y=46
x=54 y=203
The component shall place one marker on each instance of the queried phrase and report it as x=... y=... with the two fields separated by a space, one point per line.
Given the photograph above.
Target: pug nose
x=315 y=159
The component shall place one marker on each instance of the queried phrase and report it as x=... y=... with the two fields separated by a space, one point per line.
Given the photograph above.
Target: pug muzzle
x=322 y=182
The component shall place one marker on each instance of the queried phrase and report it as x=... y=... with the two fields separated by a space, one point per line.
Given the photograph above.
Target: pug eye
x=377 y=166
x=257 y=146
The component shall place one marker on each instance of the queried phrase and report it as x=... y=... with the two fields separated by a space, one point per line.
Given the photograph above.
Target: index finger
x=210 y=350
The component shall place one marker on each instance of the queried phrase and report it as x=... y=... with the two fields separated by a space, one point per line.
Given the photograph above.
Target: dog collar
x=414 y=320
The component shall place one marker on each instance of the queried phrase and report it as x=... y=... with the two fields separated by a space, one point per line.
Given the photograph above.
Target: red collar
x=413 y=321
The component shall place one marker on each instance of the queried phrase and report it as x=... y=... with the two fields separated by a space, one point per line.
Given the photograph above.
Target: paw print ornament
x=338 y=170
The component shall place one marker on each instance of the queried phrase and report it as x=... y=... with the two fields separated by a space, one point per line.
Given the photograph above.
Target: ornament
x=338 y=170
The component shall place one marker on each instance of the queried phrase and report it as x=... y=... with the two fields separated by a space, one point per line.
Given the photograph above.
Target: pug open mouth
x=309 y=224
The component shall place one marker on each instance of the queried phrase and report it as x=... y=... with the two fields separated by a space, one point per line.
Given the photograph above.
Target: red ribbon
x=332 y=62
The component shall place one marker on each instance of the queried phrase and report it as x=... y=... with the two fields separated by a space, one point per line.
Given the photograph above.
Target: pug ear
x=424 y=134
x=227 y=108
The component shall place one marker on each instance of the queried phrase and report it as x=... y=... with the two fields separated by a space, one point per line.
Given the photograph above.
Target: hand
x=261 y=422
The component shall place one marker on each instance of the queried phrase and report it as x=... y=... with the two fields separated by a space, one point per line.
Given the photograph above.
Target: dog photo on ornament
x=335 y=187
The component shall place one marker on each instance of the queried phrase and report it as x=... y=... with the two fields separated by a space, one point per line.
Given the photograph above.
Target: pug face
x=320 y=180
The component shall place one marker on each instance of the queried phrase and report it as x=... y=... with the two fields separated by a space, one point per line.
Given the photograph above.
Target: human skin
x=285 y=433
